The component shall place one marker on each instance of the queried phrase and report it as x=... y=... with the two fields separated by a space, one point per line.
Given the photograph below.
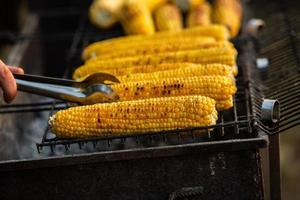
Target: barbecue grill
x=229 y=161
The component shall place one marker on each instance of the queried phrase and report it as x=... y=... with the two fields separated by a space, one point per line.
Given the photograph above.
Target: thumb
x=16 y=70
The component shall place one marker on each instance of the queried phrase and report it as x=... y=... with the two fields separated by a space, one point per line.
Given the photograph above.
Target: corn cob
x=202 y=56
x=219 y=88
x=168 y=17
x=164 y=48
x=199 y=15
x=224 y=55
x=228 y=13
x=134 y=117
x=219 y=32
x=136 y=18
x=102 y=13
x=148 y=46
x=189 y=71
x=128 y=71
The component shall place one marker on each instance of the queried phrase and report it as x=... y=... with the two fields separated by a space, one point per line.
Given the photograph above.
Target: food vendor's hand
x=7 y=81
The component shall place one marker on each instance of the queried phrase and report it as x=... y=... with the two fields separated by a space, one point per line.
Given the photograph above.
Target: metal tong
x=93 y=89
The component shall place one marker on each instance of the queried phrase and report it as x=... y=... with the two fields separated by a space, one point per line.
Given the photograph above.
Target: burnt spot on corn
x=98 y=118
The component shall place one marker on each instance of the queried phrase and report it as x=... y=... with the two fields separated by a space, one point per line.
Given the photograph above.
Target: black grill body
x=140 y=174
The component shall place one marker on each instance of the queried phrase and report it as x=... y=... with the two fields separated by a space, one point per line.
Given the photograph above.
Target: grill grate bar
x=32 y=107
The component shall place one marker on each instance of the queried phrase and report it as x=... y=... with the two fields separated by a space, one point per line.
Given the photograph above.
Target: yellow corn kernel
x=228 y=13
x=189 y=71
x=235 y=70
x=218 y=32
x=217 y=87
x=225 y=104
x=168 y=17
x=199 y=15
x=134 y=117
x=136 y=18
x=164 y=48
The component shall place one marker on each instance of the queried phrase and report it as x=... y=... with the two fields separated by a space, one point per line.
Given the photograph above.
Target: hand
x=7 y=81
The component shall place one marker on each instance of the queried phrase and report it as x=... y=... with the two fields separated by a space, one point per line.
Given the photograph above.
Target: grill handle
x=270 y=111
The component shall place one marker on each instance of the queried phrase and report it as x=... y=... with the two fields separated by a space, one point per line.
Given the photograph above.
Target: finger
x=7 y=83
x=16 y=70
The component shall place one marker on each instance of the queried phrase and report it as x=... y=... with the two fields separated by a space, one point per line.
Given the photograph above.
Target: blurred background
x=290 y=163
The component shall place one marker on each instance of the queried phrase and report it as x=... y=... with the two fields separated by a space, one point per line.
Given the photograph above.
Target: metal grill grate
x=280 y=44
x=232 y=124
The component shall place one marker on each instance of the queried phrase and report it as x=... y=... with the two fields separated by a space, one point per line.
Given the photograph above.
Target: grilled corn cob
x=164 y=48
x=219 y=32
x=223 y=55
x=199 y=15
x=103 y=13
x=228 y=13
x=128 y=71
x=158 y=45
x=201 y=56
x=219 y=88
x=134 y=117
x=189 y=71
x=167 y=18
x=136 y=17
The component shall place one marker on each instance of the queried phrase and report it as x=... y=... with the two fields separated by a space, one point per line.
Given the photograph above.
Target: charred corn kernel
x=152 y=46
x=199 y=15
x=190 y=71
x=202 y=56
x=168 y=17
x=180 y=45
x=217 y=87
x=218 y=32
x=134 y=117
x=136 y=17
x=185 y=5
x=103 y=13
x=228 y=13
